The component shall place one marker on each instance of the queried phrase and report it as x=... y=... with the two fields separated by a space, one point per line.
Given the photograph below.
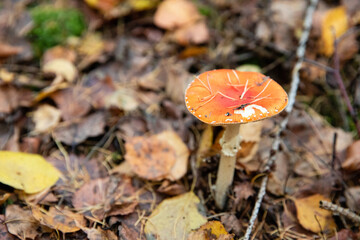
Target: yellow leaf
x=140 y=5
x=174 y=218
x=210 y=230
x=335 y=23
x=25 y=171
x=311 y=216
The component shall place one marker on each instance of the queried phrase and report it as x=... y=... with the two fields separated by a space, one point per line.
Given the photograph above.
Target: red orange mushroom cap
x=228 y=96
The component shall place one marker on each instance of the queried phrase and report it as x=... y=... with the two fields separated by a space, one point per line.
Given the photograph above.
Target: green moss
x=53 y=26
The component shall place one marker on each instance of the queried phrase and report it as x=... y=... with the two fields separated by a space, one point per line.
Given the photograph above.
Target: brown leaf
x=7 y=50
x=169 y=17
x=11 y=98
x=59 y=219
x=352 y=161
x=73 y=102
x=99 y=234
x=210 y=230
x=4 y=233
x=352 y=195
x=21 y=223
x=77 y=132
x=157 y=157
x=106 y=197
x=59 y=52
x=193 y=33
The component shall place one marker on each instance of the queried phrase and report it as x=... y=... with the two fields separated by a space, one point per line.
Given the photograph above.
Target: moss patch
x=53 y=26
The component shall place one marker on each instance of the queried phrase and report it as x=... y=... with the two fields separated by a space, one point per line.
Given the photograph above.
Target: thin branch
x=340 y=210
x=292 y=94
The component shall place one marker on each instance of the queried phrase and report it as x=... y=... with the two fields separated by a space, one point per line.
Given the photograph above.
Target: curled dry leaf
x=21 y=223
x=98 y=233
x=352 y=161
x=59 y=219
x=174 y=218
x=311 y=216
x=46 y=117
x=61 y=68
x=161 y=156
x=169 y=16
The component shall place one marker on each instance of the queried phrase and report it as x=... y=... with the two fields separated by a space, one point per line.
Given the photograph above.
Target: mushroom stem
x=230 y=143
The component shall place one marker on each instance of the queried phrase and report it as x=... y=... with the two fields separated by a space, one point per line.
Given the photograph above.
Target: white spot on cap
x=213 y=122
x=199 y=115
x=276 y=110
x=241 y=120
x=228 y=120
x=249 y=110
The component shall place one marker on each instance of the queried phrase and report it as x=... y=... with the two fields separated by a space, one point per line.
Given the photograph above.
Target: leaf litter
x=106 y=109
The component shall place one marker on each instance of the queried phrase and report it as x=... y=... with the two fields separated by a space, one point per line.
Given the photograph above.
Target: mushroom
x=229 y=98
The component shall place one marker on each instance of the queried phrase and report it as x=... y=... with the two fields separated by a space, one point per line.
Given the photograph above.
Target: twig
x=340 y=210
x=293 y=90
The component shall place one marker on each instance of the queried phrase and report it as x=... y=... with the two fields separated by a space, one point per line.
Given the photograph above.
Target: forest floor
x=96 y=141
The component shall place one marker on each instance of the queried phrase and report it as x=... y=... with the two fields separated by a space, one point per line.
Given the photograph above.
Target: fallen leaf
x=62 y=68
x=205 y=144
x=59 y=52
x=334 y=24
x=21 y=223
x=100 y=234
x=106 y=197
x=250 y=138
x=59 y=219
x=209 y=231
x=78 y=131
x=6 y=76
x=352 y=195
x=157 y=157
x=311 y=216
x=73 y=102
x=169 y=17
x=123 y=99
x=11 y=98
x=194 y=33
x=174 y=218
x=46 y=117
x=25 y=171
x=352 y=161
x=4 y=233
x=7 y=50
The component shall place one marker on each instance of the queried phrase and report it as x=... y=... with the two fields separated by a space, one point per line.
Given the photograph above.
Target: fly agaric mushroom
x=229 y=97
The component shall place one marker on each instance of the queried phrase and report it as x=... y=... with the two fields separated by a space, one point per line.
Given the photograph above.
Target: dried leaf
x=77 y=132
x=46 y=117
x=21 y=223
x=106 y=197
x=169 y=17
x=210 y=230
x=194 y=33
x=123 y=99
x=61 y=67
x=205 y=144
x=59 y=219
x=174 y=218
x=7 y=50
x=25 y=171
x=4 y=233
x=352 y=161
x=73 y=102
x=11 y=98
x=157 y=157
x=334 y=24
x=99 y=234
x=352 y=195
x=311 y=216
